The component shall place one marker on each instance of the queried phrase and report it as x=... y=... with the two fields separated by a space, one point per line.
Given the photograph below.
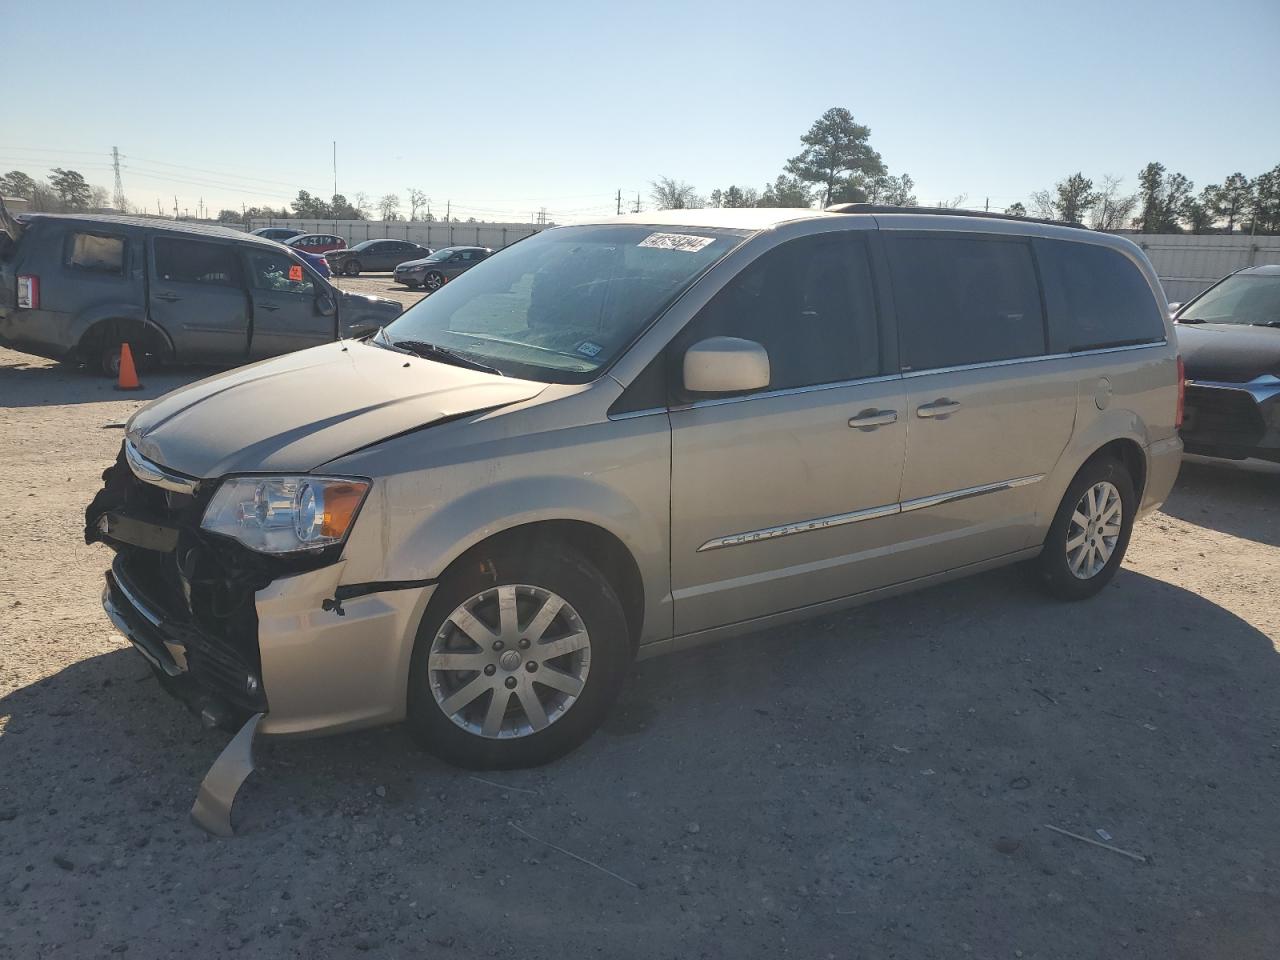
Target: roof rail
x=944 y=212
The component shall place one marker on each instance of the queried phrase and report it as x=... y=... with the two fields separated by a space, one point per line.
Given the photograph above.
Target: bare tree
x=1044 y=204
x=1113 y=209
x=670 y=194
x=389 y=206
x=417 y=200
x=955 y=203
x=363 y=205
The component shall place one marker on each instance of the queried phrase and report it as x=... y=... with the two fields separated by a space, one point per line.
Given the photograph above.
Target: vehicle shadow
x=27 y=381
x=1243 y=501
x=831 y=776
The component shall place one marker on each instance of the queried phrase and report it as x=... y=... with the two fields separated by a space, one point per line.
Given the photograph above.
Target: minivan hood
x=1228 y=352
x=296 y=412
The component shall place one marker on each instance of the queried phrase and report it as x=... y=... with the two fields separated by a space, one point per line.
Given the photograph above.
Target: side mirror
x=725 y=365
x=1174 y=308
x=325 y=305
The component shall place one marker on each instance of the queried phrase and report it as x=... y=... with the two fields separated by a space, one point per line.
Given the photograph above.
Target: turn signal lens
x=341 y=501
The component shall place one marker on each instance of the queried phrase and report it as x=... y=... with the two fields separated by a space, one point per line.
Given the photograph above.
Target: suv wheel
x=1090 y=531
x=518 y=659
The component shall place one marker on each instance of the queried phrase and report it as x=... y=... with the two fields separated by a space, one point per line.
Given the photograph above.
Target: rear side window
x=96 y=253
x=190 y=261
x=1097 y=298
x=964 y=300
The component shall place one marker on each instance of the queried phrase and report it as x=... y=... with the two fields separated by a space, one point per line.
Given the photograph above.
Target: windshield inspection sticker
x=589 y=349
x=676 y=241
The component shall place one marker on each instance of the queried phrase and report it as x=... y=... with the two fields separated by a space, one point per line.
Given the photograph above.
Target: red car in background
x=316 y=243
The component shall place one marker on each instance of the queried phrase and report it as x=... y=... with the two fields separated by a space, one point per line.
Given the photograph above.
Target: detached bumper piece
x=218 y=789
x=1233 y=421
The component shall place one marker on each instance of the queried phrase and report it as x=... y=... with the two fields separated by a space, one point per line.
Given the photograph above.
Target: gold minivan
x=624 y=438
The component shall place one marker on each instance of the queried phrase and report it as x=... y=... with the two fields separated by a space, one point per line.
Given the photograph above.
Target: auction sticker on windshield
x=675 y=241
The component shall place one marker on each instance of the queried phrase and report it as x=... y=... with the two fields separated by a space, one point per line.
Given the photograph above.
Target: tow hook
x=218 y=789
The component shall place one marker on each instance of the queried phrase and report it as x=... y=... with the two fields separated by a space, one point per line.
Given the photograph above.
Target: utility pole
x=986 y=205
x=335 y=168
x=619 y=201
x=175 y=206
x=118 y=200
x=637 y=209
x=448 y=207
x=200 y=209
x=159 y=211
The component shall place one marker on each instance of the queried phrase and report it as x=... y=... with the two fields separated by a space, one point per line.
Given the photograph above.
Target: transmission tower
x=118 y=201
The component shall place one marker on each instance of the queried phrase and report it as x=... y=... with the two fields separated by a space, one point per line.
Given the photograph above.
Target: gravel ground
x=873 y=784
x=380 y=285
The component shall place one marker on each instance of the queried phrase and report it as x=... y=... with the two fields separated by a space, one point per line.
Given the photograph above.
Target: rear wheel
x=518 y=659
x=1090 y=532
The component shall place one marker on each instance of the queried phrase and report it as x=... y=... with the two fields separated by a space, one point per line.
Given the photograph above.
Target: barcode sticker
x=675 y=241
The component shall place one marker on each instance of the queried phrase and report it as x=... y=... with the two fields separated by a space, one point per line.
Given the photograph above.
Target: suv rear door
x=990 y=413
x=285 y=298
x=196 y=294
x=786 y=497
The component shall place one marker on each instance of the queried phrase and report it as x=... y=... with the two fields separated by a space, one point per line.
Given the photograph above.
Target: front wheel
x=351 y=268
x=1090 y=531
x=433 y=281
x=518 y=659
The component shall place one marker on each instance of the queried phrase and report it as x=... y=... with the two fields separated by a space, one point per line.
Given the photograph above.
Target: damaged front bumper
x=234 y=634
x=1233 y=421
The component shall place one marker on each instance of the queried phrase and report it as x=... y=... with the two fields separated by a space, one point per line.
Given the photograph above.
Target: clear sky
x=505 y=107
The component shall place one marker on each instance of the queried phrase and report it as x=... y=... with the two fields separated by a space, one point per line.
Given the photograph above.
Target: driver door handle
x=940 y=408
x=872 y=418
x=269 y=306
x=168 y=297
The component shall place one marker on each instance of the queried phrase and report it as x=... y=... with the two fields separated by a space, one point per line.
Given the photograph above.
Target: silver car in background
x=625 y=438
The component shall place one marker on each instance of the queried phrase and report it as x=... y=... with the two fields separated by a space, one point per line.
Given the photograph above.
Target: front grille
x=1220 y=415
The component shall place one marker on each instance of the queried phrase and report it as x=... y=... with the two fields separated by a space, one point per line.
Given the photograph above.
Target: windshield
x=439 y=255
x=365 y=244
x=1244 y=298
x=564 y=303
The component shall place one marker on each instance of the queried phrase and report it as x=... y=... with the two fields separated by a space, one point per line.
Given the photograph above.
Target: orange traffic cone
x=128 y=379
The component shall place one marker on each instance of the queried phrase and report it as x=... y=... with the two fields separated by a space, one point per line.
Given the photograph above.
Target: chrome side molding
x=871 y=513
x=920 y=503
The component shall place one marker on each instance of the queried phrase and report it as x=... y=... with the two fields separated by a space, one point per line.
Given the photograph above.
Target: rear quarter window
x=96 y=253
x=1097 y=297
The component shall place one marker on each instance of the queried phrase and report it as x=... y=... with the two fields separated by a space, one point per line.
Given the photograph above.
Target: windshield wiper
x=433 y=351
x=1266 y=323
x=1190 y=320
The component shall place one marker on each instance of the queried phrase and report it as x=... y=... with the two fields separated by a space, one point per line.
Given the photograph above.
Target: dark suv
x=76 y=287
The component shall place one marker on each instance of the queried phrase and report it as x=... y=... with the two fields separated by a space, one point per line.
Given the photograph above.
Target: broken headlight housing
x=279 y=515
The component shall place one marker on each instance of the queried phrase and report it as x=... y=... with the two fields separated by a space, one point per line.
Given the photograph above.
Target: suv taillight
x=1182 y=393
x=28 y=292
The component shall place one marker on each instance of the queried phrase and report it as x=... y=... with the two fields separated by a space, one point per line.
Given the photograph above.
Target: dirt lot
x=868 y=785
x=380 y=285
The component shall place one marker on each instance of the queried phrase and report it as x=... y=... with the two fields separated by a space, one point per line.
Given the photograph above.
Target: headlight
x=285 y=514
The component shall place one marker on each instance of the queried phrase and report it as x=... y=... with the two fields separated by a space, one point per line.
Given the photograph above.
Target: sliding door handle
x=168 y=297
x=941 y=408
x=871 y=418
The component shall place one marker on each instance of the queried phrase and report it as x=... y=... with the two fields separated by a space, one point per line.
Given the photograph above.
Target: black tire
x=564 y=571
x=433 y=281
x=351 y=268
x=107 y=358
x=1052 y=568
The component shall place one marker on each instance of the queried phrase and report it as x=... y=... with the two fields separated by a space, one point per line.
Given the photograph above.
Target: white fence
x=1186 y=263
x=434 y=234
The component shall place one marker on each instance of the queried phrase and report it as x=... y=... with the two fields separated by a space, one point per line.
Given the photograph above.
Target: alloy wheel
x=1094 y=530
x=509 y=661
x=433 y=281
